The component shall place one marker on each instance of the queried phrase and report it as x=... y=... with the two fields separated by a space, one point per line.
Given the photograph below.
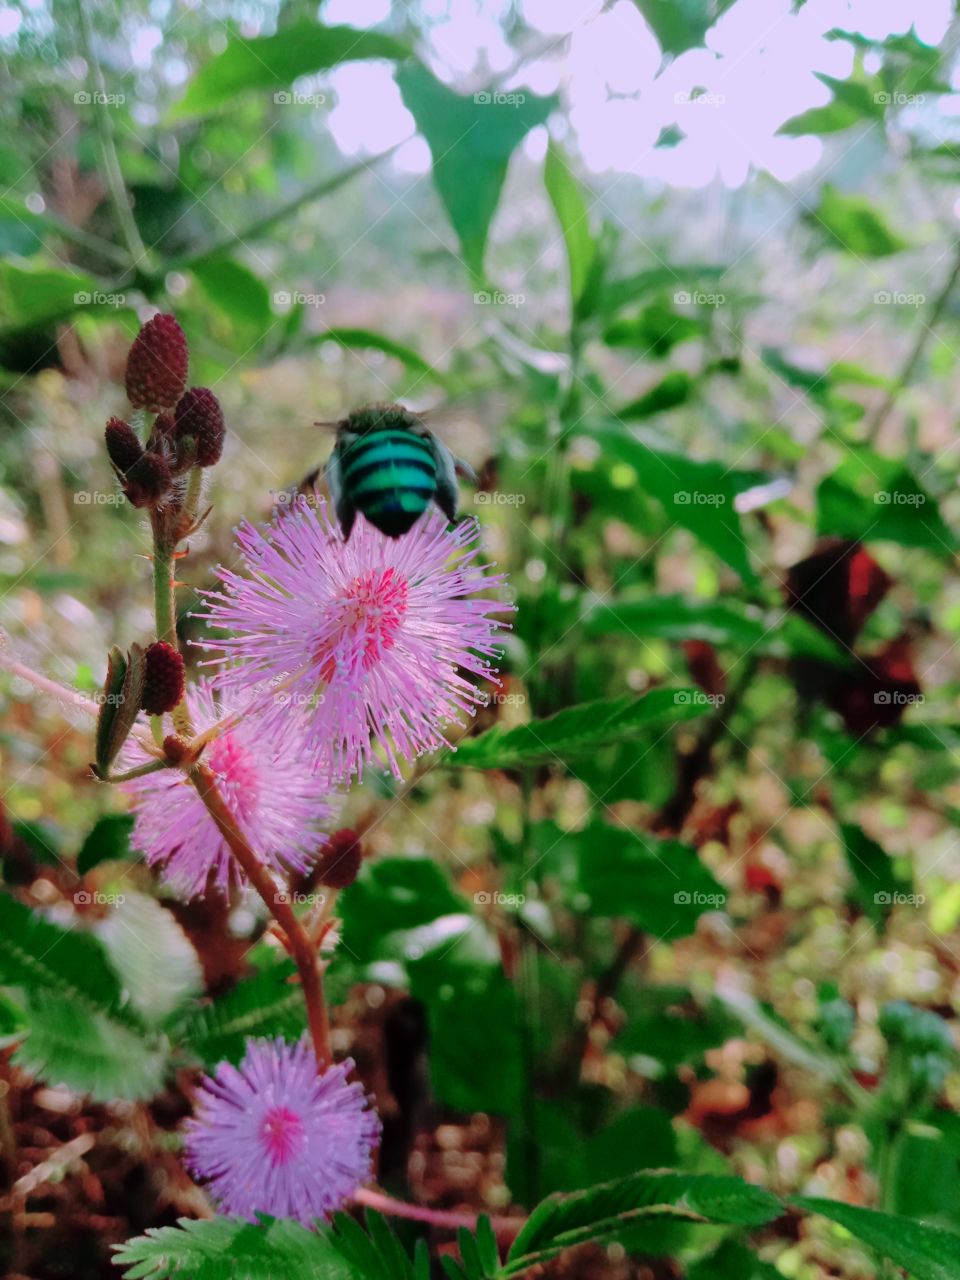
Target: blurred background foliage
x=691 y=315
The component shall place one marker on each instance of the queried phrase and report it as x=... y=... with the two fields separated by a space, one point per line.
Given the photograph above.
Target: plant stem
x=104 y=125
x=382 y=1203
x=303 y=951
x=920 y=345
x=165 y=607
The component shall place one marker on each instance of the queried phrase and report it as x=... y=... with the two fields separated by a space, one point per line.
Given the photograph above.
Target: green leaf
x=674 y=389
x=368 y=340
x=681 y=24
x=655 y=330
x=42 y=841
x=112 y=692
x=227 y=1249
x=266 y=1005
x=107 y=841
x=877 y=882
x=36 y=954
x=666 y=1023
x=127 y=706
x=854 y=101
x=733 y=1261
x=157 y=962
x=874 y=499
x=658 y=885
x=696 y=495
x=390 y=896
x=577 y=731
x=36 y=296
x=778 y=1036
x=238 y=293
x=602 y=1213
x=927 y=1253
x=718 y=622
x=90 y=1052
x=375 y=1253
x=471 y=141
x=571 y=209
x=274 y=62
x=854 y=225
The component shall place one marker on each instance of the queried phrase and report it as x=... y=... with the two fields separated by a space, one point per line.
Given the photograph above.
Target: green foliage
x=928 y=1253
x=268 y=1004
x=107 y=841
x=471 y=143
x=274 y=62
x=876 y=879
x=851 y=223
x=879 y=499
x=681 y=24
x=571 y=209
x=577 y=731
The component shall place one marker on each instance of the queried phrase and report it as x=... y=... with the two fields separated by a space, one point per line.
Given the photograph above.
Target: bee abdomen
x=391 y=476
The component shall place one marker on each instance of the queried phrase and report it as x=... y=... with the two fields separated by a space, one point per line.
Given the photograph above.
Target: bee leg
x=447 y=496
x=464 y=469
x=346 y=511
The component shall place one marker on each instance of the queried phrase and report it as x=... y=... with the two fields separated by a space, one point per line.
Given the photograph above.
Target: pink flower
x=274 y=1137
x=375 y=638
x=272 y=791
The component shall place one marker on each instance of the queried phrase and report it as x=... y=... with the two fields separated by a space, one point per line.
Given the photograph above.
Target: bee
x=388 y=466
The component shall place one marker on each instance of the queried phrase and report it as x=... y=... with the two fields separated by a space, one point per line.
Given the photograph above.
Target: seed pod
x=200 y=417
x=148 y=480
x=123 y=447
x=163 y=679
x=340 y=859
x=157 y=365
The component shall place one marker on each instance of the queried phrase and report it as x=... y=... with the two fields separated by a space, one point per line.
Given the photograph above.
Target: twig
x=303 y=951
x=435 y=1217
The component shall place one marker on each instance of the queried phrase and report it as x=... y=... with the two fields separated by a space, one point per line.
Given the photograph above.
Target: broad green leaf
x=718 y=622
x=678 y=278
x=266 y=1005
x=655 y=330
x=107 y=841
x=658 y=885
x=854 y=101
x=156 y=961
x=875 y=499
x=66 y=1042
x=733 y=1261
x=238 y=293
x=41 y=839
x=274 y=62
x=667 y=1024
x=927 y=1253
x=577 y=731
x=368 y=340
x=602 y=1213
x=675 y=388
x=471 y=141
x=696 y=495
x=853 y=224
x=877 y=883
x=36 y=954
x=570 y=207
x=393 y=895
x=681 y=24
x=37 y=296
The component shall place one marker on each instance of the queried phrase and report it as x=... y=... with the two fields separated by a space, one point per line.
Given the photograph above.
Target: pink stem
x=435 y=1217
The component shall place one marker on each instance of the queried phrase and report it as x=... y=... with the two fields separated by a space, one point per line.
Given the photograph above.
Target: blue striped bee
x=387 y=465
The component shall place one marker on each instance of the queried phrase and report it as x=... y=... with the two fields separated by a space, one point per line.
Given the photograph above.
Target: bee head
x=377 y=417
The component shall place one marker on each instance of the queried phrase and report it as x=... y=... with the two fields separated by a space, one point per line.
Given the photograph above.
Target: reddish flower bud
x=340 y=859
x=199 y=415
x=157 y=365
x=147 y=480
x=163 y=679
x=123 y=447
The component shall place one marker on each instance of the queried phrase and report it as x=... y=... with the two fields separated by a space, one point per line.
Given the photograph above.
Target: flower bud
x=148 y=480
x=200 y=417
x=340 y=859
x=163 y=680
x=157 y=365
x=123 y=447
